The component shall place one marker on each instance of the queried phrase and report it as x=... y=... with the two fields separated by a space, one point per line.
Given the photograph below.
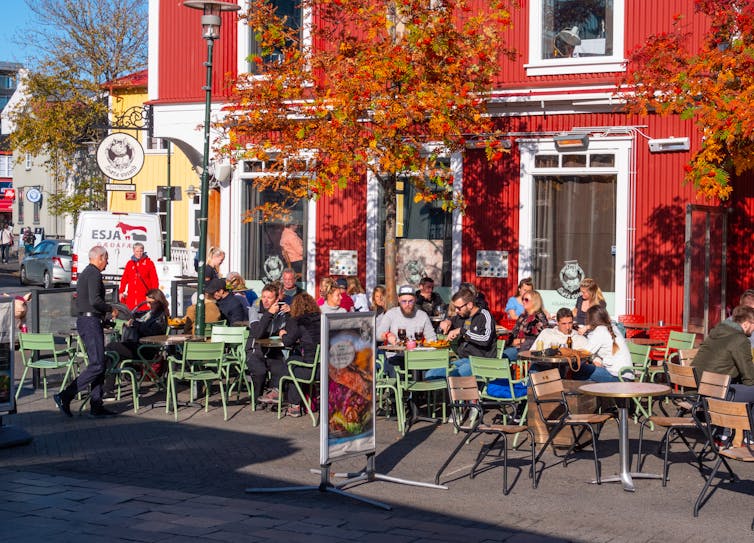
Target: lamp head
x=570 y=36
x=211 y=10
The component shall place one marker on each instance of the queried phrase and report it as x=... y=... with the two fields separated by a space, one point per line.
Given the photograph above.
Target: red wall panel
x=183 y=52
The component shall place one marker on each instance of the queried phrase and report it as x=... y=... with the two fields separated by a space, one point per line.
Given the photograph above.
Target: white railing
x=186 y=257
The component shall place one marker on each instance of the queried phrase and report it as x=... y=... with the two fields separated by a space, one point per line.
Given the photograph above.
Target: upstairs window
x=575 y=36
x=292 y=12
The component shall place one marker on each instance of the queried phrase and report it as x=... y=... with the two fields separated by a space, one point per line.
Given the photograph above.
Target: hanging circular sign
x=34 y=195
x=120 y=156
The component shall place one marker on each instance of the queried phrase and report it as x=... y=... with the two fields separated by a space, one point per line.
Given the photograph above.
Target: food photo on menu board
x=350 y=389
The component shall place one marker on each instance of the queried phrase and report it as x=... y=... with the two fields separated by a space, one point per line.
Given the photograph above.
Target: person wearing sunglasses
x=528 y=326
x=472 y=333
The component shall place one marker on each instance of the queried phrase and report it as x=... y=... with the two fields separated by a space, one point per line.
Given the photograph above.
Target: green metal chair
x=639 y=364
x=500 y=348
x=497 y=371
x=410 y=381
x=676 y=342
x=309 y=380
x=384 y=383
x=120 y=373
x=201 y=361
x=235 y=338
x=38 y=351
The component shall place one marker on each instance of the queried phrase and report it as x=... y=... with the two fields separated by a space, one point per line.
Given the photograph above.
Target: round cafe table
x=622 y=392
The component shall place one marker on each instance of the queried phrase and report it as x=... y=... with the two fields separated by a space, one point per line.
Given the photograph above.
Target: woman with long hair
x=331 y=296
x=152 y=322
x=301 y=335
x=528 y=325
x=215 y=259
x=515 y=305
x=378 y=300
x=590 y=296
x=609 y=350
x=357 y=294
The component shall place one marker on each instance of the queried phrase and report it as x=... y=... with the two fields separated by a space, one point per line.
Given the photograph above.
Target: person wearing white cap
x=406 y=317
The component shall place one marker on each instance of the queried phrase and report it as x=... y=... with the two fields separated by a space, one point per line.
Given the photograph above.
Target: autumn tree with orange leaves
x=713 y=85
x=377 y=88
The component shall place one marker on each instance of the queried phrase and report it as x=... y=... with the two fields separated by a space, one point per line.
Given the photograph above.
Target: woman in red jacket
x=139 y=277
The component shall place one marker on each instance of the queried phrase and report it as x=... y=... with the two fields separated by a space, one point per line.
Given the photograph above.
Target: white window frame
x=538 y=66
x=153 y=150
x=28 y=161
x=621 y=148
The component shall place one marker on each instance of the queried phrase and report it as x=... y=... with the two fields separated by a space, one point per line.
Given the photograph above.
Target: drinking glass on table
x=419 y=336
x=402 y=335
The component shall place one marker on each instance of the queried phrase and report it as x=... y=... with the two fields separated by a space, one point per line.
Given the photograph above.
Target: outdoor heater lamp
x=211 y=21
x=571 y=142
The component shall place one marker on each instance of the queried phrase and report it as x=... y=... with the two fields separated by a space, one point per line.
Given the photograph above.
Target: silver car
x=48 y=264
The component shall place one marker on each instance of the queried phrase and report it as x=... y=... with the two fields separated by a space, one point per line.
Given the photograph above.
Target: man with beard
x=404 y=317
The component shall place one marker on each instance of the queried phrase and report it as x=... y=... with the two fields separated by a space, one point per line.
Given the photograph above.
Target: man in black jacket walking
x=92 y=308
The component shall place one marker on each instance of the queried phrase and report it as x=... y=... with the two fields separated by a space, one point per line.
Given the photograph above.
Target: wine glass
x=419 y=336
x=402 y=335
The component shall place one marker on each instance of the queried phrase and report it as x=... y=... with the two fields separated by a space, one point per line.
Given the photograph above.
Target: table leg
x=626 y=477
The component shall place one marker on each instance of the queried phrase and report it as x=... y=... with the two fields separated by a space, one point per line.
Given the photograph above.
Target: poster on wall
x=347 y=403
x=419 y=258
x=344 y=262
x=492 y=263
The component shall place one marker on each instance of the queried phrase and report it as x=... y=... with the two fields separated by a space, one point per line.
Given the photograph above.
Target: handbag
x=574 y=357
x=129 y=335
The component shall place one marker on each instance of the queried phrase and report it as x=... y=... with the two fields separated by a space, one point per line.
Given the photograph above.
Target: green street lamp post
x=211 y=21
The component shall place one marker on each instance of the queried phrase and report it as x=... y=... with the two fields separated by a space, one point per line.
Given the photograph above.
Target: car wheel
x=23 y=275
x=47 y=280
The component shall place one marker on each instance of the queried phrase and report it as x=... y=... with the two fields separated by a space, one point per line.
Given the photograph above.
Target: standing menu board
x=347 y=393
x=7 y=341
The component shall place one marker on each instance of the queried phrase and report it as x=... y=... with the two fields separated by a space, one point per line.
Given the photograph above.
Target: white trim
x=622 y=146
x=311 y=248
x=372 y=213
x=538 y=66
x=153 y=90
x=456 y=255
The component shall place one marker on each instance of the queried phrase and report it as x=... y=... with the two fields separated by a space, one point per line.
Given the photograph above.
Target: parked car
x=48 y=264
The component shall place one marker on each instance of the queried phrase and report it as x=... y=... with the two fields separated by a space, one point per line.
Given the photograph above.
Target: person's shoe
x=270 y=397
x=64 y=406
x=294 y=411
x=101 y=413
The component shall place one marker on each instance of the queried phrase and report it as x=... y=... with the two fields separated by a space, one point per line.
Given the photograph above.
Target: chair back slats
x=427 y=360
x=681 y=340
x=203 y=351
x=683 y=376
x=685 y=356
x=500 y=348
x=546 y=383
x=639 y=354
x=463 y=389
x=733 y=415
x=490 y=368
x=714 y=385
x=228 y=334
x=30 y=341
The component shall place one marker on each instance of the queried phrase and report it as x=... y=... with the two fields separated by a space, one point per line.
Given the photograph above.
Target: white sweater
x=600 y=344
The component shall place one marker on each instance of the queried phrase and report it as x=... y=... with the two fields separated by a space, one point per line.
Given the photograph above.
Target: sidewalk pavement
x=144 y=477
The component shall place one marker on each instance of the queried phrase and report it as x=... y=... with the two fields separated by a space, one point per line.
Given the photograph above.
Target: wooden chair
x=201 y=361
x=686 y=402
x=468 y=419
x=684 y=357
x=735 y=417
x=547 y=387
x=38 y=351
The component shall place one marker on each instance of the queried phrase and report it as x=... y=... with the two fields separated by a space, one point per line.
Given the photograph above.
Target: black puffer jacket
x=302 y=337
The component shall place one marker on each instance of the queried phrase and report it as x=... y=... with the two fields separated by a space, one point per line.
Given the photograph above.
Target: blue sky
x=16 y=16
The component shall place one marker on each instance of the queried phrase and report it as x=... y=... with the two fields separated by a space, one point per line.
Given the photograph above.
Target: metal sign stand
x=368 y=475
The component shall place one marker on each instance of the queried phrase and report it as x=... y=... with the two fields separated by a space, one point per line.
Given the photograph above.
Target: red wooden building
x=587 y=190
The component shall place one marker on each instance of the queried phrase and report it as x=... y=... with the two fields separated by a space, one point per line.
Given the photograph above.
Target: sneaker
x=294 y=411
x=64 y=406
x=270 y=396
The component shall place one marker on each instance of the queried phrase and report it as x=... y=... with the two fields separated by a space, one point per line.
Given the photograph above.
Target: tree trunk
x=391 y=294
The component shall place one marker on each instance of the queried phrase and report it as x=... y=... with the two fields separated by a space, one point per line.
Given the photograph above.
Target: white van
x=116 y=232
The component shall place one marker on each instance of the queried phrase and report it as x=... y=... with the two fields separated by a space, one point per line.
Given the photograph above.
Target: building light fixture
x=571 y=142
